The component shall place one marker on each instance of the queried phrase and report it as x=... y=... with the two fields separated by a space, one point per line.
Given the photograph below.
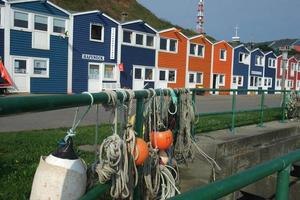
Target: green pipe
x=262 y=102
x=194 y=107
x=96 y=192
x=235 y=182
x=283 y=180
x=233 y=111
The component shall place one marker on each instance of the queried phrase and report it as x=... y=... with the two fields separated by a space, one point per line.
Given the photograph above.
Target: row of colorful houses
x=47 y=49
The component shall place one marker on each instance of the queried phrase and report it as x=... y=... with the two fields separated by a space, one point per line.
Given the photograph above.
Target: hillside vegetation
x=114 y=8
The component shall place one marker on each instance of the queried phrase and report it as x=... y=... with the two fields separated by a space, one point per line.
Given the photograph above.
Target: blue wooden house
x=138 y=55
x=240 y=68
x=36 y=45
x=270 y=72
x=256 y=70
x=94 y=52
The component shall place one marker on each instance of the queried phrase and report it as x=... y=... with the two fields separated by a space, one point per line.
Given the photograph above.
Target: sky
x=258 y=20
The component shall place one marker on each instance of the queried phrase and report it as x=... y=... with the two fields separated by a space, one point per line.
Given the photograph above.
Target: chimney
x=124 y=16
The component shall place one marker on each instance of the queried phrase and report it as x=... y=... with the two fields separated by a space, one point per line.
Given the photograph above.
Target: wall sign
x=256 y=72
x=92 y=57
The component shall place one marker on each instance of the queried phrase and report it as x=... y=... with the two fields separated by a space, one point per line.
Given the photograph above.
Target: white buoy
x=60 y=176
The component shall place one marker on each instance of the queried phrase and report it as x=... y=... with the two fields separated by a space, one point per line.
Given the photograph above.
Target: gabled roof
x=257 y=49
x=270 y=53
x=27 y=5
x=200 y=36
x=95 y=11
x=242 y=45
x=139 y=21
x=221 y=41
x=173 y=29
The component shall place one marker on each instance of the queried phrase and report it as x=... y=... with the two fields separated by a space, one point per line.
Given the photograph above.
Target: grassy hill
x=114 y=8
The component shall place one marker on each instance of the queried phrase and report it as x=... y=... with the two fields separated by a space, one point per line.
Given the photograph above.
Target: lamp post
x=285 y=51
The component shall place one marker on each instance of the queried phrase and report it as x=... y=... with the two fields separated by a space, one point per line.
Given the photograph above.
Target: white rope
x=169 y=188
x=72 y=132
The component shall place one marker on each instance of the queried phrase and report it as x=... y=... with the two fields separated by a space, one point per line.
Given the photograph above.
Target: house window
x=163 y=44
x=234 y=79
x=149 y=74
x=162 y=75
x=109 y=72
x=193 y=49
x=96 y=32
x=40 y=68
x=59 y=26
x=272 y=62
x=223 y=54
x=172 y=76
x=40 y=23
x=94 y=71
x=200 y=50
x=259 y=60
x=241 y=57
x=240 y=81
x=195 y=77
x=149 y=41
x=127 y=36
x=20 y=19
x=20 y=66
x=139 y=39
x=278 y=83
x=173 y=45
x=221 y=79
x=199 y=78
x=298 y=83
x=138 y=73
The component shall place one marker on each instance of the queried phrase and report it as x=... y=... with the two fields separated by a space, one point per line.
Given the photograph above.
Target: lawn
x=20 y=151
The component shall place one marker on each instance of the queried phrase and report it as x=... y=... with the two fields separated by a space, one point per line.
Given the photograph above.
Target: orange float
x=161 y=140
x=142 y=150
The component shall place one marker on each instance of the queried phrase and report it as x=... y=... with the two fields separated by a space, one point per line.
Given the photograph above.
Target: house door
x=21 y=75
x=215 y=83
x=143 y=77
x=95 y=81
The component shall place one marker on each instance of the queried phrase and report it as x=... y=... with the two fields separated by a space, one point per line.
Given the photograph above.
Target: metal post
x=283 y=106
x=139 y=131
x=194 y=107
x=233 y=110
x=283 y=180
x=262 y=102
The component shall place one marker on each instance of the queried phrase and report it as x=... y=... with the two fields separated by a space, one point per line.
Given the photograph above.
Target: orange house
x=172 y=59
x=221 y=66
x=199 y=62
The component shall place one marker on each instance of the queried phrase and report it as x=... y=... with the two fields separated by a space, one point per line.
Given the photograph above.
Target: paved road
x=64 y=118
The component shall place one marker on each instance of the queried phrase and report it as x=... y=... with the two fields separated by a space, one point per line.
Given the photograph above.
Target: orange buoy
x=161 y=139
x=142 y=150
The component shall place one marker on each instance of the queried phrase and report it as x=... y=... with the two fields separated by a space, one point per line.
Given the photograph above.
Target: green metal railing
x=17 y=105
x=221 y=188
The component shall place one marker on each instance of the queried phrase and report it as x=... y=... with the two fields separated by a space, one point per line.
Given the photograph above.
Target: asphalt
x=64 y=118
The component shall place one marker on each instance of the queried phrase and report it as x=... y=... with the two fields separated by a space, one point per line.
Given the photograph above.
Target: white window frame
x=37 y=75
x=292 y=70
x=195 y=77
x=260 y=61
x=224 y=79
x=272 y=61
x=52 y=25
x=114 y=78
x=197 y=51
x=29 y=19
x=225 y=55
x=243 y=57
x=28 y=70
x=33 y=23
x=102 y=32
x=167 y=75
x=237 y=80
x=168 y=45
x=298 y=83
x=133 y=39
x=153 y=72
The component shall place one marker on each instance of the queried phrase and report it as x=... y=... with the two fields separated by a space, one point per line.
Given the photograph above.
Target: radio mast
x=200 y=17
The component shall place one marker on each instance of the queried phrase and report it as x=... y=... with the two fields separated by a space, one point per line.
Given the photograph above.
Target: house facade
x=256 y=71
x=199 y=62
x=36 y=45
x=270 y=68
x=240 y=68
x=94 y=52
x=221 y=66
x=172 y=59
x=292 y=73
x=138 y=55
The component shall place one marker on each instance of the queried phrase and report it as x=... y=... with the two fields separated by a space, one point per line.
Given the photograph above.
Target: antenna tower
x=200 y=17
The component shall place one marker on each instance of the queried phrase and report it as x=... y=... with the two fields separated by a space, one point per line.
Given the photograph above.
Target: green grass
x=20 y=153
x=223 y=121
